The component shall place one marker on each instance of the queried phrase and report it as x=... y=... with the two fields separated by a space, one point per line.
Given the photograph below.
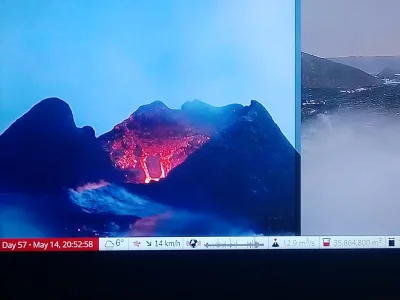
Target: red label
x=62 y=244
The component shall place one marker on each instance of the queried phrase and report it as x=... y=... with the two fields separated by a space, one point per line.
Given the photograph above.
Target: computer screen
x=196 y=125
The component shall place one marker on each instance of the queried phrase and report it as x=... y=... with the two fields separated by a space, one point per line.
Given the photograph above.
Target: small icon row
x=110 y=244
x=211 y=243
x=221 y=243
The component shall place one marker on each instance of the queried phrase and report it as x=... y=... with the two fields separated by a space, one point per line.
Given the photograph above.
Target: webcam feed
x=147 y=118
x=350 y=117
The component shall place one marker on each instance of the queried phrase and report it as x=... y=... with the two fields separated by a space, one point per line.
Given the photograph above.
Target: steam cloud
x=351 y=175
x=92 y=186
x=19 y=222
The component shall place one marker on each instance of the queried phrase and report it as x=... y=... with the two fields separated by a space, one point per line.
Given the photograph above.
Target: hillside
x=322 y=73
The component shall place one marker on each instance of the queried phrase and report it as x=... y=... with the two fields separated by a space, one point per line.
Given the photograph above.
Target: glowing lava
x=149 y=150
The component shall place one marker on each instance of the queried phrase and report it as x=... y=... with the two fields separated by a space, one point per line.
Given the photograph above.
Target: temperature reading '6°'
x=118 y=242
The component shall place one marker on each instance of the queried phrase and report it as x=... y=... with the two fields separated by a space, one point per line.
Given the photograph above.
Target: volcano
x=246 y=171
x=218 y=169
x=155 y=139
x=44 y=151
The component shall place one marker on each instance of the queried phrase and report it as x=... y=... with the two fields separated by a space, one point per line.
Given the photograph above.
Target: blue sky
x=106 y=58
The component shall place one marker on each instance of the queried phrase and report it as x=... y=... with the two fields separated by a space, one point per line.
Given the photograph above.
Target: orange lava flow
x=151 y=153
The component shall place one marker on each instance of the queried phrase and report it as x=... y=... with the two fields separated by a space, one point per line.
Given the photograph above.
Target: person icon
x=275 y=244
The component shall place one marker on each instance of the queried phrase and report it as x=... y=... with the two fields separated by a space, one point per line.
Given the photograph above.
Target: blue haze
x=106 y=58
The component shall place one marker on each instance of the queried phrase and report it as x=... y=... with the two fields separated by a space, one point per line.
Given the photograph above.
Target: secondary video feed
x=148 y=118
x=350 y=117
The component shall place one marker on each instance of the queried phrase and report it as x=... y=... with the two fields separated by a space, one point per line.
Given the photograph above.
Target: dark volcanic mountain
x=231 y=164
x=155 y=139
x=245 y=170
x=322 y=73
x=45 y=151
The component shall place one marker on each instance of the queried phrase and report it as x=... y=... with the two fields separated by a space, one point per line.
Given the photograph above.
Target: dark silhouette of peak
x=195 y=105
x=49 y=116
x=52 y=110
x=318 y=72
x=201 y=112
x=44 y=151
x=158 y=103
x=53 y=103
x=152 y=108
x=154 y=112
x=255 y=103
x=257 y=110
x=89 y=130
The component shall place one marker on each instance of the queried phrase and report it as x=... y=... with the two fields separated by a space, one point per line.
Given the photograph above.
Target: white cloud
x=350 y=176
